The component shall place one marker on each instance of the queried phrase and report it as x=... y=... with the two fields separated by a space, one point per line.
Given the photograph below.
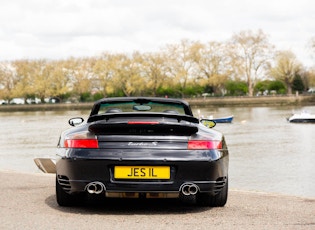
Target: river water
x=267 y=153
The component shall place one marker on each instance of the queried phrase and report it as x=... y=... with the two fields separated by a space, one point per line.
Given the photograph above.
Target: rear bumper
x=212 y=187
x=206 y=169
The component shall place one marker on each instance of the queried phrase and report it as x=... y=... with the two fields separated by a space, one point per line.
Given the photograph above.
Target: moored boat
x=227 y=119
x=303 y=117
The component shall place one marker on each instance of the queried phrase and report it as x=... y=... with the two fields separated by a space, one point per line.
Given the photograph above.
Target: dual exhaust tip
x=186 y=189
x=95 y=187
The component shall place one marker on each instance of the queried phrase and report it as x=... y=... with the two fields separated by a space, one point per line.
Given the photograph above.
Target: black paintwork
x=143 y=145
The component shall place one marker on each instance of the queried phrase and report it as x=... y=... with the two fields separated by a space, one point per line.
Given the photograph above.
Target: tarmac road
x=27 y=201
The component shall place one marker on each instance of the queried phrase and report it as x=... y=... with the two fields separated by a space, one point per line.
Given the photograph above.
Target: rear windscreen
x=128 y=107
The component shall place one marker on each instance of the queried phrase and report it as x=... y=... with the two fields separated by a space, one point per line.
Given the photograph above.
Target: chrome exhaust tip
x=189 y=189
x=193 y=189
x=95 y=187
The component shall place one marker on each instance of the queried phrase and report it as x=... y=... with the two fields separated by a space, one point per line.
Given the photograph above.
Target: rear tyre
x=65 y=199
x=218 y=200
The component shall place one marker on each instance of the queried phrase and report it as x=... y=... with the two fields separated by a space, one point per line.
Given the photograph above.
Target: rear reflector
x=81 y=143
x=143 y=122
x=201 y=144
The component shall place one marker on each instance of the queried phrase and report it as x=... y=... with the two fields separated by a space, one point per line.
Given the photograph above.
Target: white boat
x=303 y=117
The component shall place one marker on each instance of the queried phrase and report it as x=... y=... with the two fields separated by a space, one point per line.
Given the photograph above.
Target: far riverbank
x=300 y=100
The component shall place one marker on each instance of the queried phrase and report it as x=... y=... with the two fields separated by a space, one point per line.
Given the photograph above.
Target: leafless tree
x=251 y=54
x=286 y=68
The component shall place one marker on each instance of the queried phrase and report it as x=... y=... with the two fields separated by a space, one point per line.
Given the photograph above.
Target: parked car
x=3 y=102
x=52 y=100
x=33 y=101
x=142 y=147
x=311 y=90
x=17 y=101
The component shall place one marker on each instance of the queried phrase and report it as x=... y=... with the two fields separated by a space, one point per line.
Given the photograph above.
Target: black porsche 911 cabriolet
x=142 y=147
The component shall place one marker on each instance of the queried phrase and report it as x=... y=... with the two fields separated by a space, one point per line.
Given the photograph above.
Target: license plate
x=142 y=172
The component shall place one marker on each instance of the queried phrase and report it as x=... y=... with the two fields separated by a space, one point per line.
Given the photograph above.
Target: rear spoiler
x=108 y=116
x=142 y=128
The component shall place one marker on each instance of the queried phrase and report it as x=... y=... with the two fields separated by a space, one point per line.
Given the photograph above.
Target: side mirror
x=208 y=123
x=75 y=121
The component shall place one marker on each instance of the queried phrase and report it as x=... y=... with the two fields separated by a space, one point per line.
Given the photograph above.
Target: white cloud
x=60 y=29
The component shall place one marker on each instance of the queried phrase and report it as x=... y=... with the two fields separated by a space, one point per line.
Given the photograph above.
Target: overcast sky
x=58 y=29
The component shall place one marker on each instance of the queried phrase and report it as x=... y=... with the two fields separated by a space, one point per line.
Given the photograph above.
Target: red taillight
x=81 y=143
x=202 y=144
x=143 y=122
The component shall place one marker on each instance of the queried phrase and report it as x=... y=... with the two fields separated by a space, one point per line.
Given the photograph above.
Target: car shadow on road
x=125 y=206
